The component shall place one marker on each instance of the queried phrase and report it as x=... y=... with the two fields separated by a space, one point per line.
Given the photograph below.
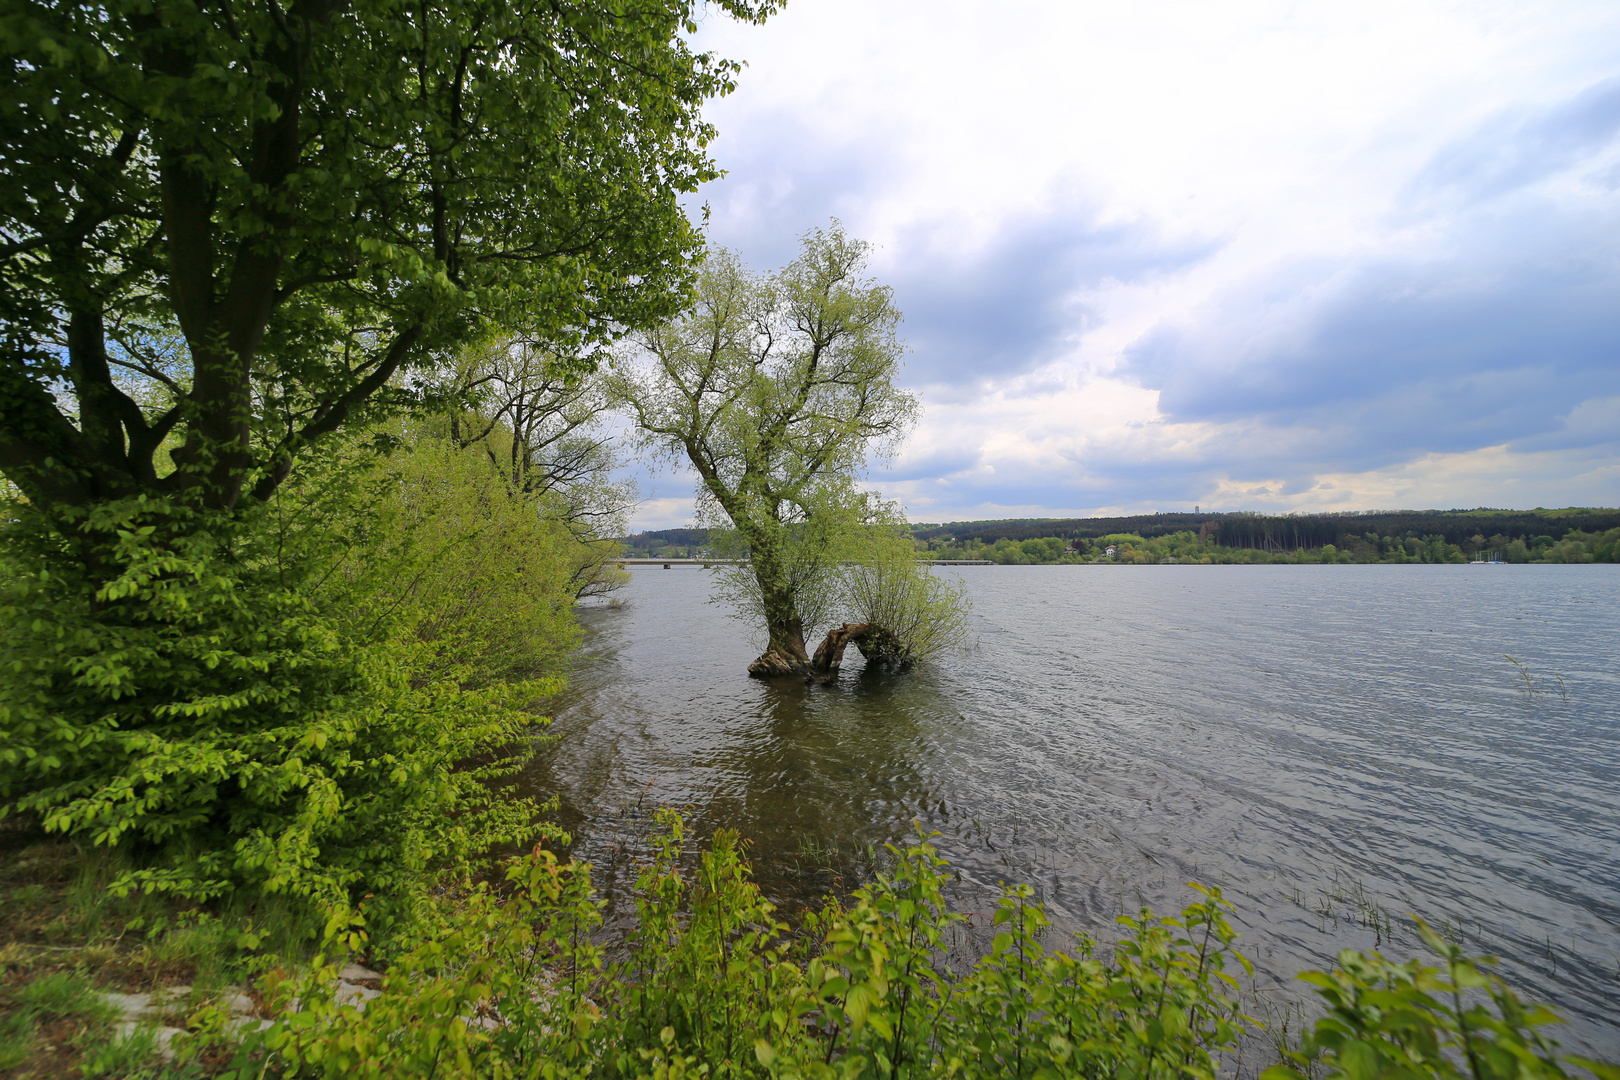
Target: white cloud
x=1055 y=186
x=1490 y=476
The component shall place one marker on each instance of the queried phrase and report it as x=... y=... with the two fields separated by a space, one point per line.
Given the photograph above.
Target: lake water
x=1330 y=745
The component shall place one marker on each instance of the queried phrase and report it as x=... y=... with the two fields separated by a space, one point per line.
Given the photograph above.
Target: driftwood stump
x=881 y=648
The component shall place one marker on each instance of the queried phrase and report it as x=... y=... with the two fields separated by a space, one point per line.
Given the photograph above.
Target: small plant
x=65 y=1008
x=1532 y=683
x=1343 y=898
x=1452 y=1022
x=129 y=1055
x=1285 y=1024
x=16 y=1039
x=1529 y=680
x=65 y=994
x=708 y=982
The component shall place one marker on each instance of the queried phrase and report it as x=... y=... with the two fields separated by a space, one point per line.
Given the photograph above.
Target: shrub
x=710 y=983
x=1453 y=1022
x=283 y=699
x=922 y=612
x=1044 y=549
x=439 y=549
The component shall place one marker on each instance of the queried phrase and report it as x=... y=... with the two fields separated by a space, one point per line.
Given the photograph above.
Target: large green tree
x=776 y=389
x=277 y=209
x=230 y=229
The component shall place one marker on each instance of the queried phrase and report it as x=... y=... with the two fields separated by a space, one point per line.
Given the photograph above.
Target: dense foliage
x=273 y=210
x=544 y=427
x=712 y=984
x=709 y=982
x=251 y=662
x=286 y=700
x=444 y=551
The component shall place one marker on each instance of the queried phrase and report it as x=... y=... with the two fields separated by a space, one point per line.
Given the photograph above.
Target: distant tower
x=1196 y=510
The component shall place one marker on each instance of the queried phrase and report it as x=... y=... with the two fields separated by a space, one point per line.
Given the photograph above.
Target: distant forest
x=1240 y=529
x=1291 y=532
x=671 y=542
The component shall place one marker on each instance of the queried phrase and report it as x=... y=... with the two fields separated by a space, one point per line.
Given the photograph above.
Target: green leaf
x=1603 y=1070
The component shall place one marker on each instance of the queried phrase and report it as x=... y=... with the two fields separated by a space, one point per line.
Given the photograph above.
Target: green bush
x=1454 y=1022
x=923 y=612
x=307 y=698
x=710 y=983
x=438 y=549
x=1044 y=549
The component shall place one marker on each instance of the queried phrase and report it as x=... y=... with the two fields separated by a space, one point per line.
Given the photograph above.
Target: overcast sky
x=1239 y=255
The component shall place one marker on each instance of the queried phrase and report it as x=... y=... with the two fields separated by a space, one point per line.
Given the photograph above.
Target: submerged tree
x=777 y=390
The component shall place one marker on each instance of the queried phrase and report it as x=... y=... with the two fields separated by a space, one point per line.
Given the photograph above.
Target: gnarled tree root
x=831 y=652
x=775 y=664
x=880 y=647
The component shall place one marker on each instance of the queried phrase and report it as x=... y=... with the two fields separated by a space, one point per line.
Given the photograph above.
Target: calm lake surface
x=1330 y=745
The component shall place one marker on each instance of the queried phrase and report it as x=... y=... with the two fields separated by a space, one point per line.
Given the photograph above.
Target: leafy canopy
x=272 y=210
x=776 y=389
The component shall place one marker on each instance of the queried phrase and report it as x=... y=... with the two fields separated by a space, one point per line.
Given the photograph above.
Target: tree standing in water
x=777 y=390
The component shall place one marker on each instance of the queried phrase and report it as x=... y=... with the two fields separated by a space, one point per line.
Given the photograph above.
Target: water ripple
x=1324 y=743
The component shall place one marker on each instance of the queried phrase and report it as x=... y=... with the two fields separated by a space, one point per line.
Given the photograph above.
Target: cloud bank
x=1273 y=256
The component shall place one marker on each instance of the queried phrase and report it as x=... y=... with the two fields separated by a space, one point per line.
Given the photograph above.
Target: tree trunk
x=783 y=660
x=774 y=663
x=880 y=648
x=831 y=653
x=785 y=655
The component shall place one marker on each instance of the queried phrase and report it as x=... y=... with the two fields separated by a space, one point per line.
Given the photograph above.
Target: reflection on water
x=1334 y=746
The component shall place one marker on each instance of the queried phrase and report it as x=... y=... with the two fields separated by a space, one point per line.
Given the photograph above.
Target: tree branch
x=329 y=417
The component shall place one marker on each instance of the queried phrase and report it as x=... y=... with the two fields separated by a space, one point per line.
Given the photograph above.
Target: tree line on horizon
x=1187 y=548
x=1471 y=531
x=1246 y=529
